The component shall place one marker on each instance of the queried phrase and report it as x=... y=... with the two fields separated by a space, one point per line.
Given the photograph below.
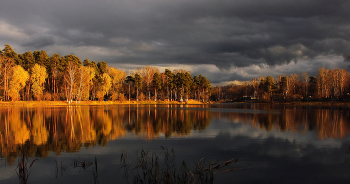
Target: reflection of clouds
x=7 y=172
x=254 y=135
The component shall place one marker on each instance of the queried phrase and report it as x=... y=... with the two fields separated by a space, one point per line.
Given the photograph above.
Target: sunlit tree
x=27 y=63
x=7 y=60
x=117 y=77
x=38 y=78
x=18 y=79
x=71 y=76
x=85 y=75
x=105 y=85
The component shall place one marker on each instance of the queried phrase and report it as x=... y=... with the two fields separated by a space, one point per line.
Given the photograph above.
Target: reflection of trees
x=151 y=122
x=60 y=129
x=327 y=122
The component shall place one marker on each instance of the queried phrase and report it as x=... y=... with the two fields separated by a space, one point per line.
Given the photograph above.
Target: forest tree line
x=326 y=85
x=36 y=76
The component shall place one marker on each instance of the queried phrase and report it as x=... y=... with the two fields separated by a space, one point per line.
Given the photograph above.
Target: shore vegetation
x=40 y=77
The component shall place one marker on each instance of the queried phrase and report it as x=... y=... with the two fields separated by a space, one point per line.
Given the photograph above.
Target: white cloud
x=11 y=32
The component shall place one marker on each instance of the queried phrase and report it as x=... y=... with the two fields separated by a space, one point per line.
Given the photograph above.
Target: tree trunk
x=129 y=91
x=137 y=94
x=155 y=95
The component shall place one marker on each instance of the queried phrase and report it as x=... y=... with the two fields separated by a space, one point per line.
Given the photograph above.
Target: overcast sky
x=224 y=40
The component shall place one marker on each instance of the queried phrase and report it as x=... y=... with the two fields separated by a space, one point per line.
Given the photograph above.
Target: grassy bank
x=82 y=103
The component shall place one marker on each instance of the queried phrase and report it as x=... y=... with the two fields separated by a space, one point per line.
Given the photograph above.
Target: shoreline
x=87 y=103
x=190 y=102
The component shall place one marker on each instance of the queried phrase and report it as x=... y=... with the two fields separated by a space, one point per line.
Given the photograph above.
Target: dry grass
x=23 y=167
x=150 y=168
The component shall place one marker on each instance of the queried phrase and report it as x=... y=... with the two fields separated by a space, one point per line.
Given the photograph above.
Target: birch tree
x=70 y=77
x=147 y=76
x=72 y=69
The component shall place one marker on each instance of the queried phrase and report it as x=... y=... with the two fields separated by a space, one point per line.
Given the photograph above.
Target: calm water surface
x=274 y=143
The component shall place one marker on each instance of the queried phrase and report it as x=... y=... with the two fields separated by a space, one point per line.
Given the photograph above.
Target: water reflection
x=328 y=122
x=60 y=129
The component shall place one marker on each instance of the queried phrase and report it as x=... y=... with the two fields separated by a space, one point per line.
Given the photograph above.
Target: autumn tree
x=104 y=86
x=85 y=76
x=102 y=66
x=342 y=80
x=322 y=87
x=18 y=79
x=7 y=60
x=94 y=79
x=38 y=78
x=67 y=78
x=27 y=63
x=118 y=77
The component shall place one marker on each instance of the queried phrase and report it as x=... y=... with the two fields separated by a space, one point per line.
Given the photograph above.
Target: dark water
x=274 y=143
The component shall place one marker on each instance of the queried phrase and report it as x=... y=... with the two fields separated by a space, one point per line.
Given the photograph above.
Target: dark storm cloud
x=225 y=33
x=38 y=41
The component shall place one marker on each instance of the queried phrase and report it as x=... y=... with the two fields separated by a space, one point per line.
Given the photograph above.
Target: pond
x=260 y=143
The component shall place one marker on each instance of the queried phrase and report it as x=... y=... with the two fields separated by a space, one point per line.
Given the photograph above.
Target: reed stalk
x=150 y=168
